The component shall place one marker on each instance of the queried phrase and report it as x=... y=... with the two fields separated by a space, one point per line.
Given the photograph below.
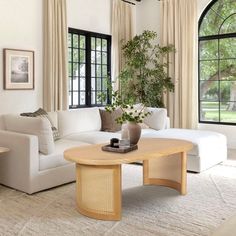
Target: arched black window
x=217 y=63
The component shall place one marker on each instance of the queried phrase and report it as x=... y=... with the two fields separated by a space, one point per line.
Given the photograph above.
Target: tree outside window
x=217 y=63
x=89 y=62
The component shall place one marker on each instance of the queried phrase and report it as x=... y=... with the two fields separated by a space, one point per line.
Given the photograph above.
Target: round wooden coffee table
x=98 y=182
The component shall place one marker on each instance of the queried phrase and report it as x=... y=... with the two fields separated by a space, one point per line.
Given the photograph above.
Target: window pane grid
x=217 y=64
x=86 y=85
x=78 y=65
x=98 y=60
x=218 y=59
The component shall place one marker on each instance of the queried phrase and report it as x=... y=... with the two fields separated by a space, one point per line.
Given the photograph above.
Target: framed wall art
x=18 y=69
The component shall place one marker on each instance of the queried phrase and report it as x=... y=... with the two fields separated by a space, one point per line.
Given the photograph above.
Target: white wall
x=148 y=16
x=202 y=5
x=90 y=15
x=21 y=28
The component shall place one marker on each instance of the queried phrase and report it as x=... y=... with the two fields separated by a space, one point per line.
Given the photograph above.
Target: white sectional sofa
x=35 y=162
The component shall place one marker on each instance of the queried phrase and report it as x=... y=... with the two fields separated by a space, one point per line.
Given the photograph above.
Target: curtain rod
x=128 y=2
x=134 y=3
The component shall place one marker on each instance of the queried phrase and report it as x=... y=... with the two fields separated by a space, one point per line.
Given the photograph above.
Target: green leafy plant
x=130 y=112
x=144 y=77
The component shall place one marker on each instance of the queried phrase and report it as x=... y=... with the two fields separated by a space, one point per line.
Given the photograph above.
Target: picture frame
x=18 y=69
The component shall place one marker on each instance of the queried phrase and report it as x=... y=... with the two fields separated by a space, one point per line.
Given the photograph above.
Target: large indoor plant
x=144 y=77
x=143 y=80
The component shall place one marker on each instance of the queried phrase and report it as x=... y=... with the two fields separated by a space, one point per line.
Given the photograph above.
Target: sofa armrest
x=18 y=166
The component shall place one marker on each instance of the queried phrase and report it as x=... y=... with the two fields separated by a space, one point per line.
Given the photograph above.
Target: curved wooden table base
x=98 y=183
x=168 y=176
x=99 y=191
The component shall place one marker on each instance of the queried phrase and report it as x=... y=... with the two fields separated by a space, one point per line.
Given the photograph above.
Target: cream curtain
x=55 y=95
x=122 y=31
x=179 y=27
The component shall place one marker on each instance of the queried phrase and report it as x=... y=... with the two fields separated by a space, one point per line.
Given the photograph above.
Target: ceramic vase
x=134 y=132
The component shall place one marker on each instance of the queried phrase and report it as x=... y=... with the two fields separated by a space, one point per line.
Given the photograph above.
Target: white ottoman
x=210 y=148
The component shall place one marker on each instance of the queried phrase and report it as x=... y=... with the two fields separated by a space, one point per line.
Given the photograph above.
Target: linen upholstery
x=25 y=168
x=81 y=120
x=19 y=167
x=37 y=126
x=42 y=113
x=57 y=159
x=209 y=147
x=53 y=117
x=157 y=119
x=93 y=137
x=108 y=120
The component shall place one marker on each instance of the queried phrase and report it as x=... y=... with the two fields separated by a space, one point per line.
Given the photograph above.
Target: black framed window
x=217 y=63
x=89 y=62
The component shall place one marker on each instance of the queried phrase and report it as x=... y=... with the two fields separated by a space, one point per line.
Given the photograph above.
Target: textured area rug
x=147 y=210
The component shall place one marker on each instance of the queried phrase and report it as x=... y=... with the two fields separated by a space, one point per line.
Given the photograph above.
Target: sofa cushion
x=81 y=120
x=204 y=141
x=108 y=119
x=38 y=126
x=157 y=119
x=57 y=159
x=93 y=137
x=42 y=113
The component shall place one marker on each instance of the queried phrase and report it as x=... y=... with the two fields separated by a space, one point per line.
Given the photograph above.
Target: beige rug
x=147 y=210
x=231 y=160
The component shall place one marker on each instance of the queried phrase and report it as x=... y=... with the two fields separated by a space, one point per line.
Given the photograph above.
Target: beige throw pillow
x=109 y=123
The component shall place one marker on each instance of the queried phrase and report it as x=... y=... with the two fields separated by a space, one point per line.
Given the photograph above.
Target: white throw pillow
x=53 y=116
x=80 y=120
x=38 y=126
x=157 y=119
